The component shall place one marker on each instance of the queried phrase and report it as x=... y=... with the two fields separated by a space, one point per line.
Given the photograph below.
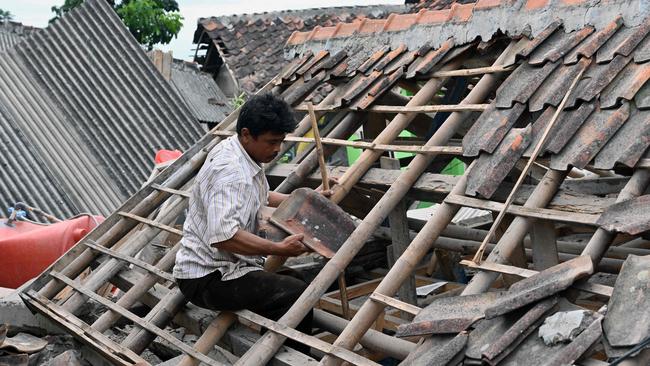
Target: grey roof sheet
x=200 y=92
x=12 y=33
x=91 y=109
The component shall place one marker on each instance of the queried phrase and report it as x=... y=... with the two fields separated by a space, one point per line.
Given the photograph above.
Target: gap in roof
x=192 y=10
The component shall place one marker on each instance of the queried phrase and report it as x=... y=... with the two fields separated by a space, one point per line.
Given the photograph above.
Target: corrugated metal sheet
x=94 y=110
x=201 y=93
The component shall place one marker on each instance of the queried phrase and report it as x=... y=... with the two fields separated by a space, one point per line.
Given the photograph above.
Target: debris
x=563 y=327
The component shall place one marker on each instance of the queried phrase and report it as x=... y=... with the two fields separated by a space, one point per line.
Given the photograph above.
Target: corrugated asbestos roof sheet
x=84 y=112
x=12 y=33
x=614 y=85
x=200 y=92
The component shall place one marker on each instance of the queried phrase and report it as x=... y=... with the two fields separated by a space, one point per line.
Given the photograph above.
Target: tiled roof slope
x=12 y=33
x=82 y=115
x=606 y=122
x=251 y=44
x=463 y=23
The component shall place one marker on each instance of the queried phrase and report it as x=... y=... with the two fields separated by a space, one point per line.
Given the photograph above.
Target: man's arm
x=246 y=243
x=275 y=198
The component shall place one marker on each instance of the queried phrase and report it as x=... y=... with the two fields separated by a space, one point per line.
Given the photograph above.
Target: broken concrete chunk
x=565 y=326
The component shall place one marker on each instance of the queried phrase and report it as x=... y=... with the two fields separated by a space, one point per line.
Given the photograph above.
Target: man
x=220 y=265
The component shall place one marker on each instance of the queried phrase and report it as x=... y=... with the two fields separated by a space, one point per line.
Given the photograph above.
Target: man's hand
x=292 y=246
x=329 y=192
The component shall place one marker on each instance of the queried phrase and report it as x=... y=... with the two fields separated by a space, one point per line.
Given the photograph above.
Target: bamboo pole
x=479 y=253
x=133 y=245
x=518 y=229
x=303 y=127
x=210 y=337
x=345 y=306
x=263 y=350
x=392 y=130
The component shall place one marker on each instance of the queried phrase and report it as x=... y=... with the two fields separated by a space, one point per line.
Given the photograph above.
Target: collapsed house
x=560 y=84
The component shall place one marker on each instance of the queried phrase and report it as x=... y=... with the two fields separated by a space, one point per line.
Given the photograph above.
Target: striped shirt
x=227 y=196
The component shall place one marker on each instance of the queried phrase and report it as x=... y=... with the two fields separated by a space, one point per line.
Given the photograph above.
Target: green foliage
x=238 y=100
x=5 y=15
x=150 y=21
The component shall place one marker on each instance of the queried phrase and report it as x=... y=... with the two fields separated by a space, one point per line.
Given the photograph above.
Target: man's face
x=263 y=148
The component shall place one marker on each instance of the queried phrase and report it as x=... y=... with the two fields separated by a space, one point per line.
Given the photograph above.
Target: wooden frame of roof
x=497 y=115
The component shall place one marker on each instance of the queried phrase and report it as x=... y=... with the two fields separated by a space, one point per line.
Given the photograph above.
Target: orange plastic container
x=26 y=249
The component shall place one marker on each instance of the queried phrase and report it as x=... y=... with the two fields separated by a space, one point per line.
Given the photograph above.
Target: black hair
x=266 y=113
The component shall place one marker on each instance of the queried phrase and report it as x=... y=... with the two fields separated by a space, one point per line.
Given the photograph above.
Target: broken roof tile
x=622 y=42
x=555 y=86
x=490 y=170
x=378 y=88
x=596 y=78
x=526 y=45
x=568 y=122
x=425 y=63
x=629 y=143
x=626 y=84
x=522 y=83
x=558 y=45
x=589 y=46
x=490 y=128
x=590 y=138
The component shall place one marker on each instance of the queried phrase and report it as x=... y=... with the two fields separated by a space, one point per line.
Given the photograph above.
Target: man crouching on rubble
x=219 y=264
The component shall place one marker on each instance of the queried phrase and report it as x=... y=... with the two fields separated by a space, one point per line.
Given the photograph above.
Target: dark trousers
x=265 y=293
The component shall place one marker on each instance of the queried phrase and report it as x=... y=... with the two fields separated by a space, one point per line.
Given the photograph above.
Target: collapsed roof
x=574 y=71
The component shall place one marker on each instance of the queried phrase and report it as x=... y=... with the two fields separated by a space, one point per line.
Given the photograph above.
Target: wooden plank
x=537 y=213
x=113 y=352
x=334 y=306
x=472 y=72
x=136 y=319
x=151 y=223
x=136 y=262
x=177 y=192
x=593 y=288
x=403 y=109
x=392 y=302
x=399 y=231
x=311 y=341
x=544 y=244
x=415 y=149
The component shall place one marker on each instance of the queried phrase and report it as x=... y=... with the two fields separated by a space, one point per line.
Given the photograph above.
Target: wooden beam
x=392 y=302
x=537 y=213
x=416 y=149
x=136 y=262
x=404 y=109
x=150 y=223
x=400 y=237
x=472 y=72
x=170 y=190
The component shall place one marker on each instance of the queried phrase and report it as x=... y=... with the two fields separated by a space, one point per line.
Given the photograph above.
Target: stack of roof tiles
x=82 y=113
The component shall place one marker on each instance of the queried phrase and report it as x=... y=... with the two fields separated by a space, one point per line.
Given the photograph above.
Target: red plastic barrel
x=166 y=155
x=27 y=249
